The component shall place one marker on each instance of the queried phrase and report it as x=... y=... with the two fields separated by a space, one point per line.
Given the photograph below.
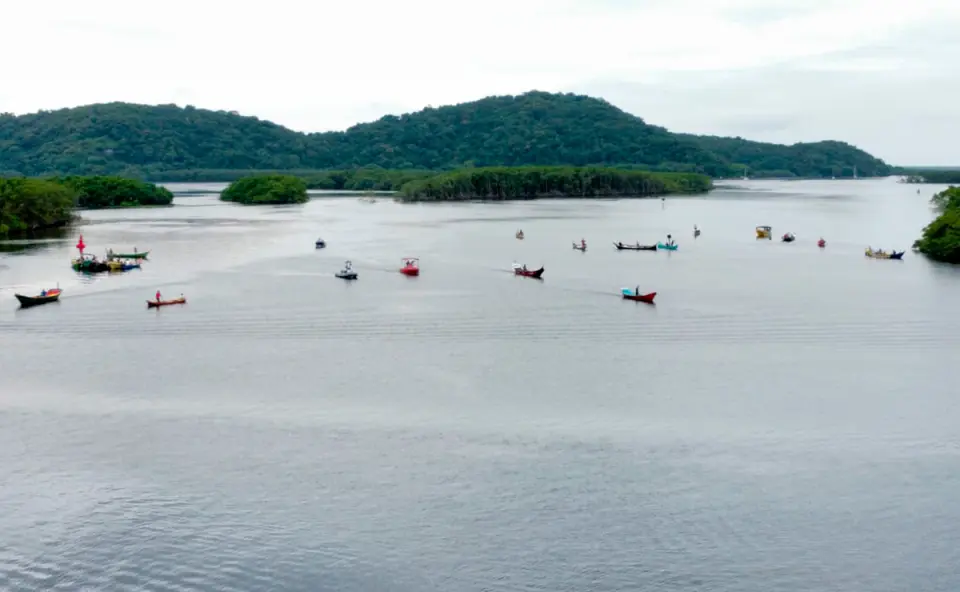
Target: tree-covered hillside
x=534 y=128
x=813 y=159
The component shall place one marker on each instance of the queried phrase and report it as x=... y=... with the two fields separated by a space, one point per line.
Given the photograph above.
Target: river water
x=783 y=419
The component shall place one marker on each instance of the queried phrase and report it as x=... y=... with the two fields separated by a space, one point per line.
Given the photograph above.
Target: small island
x=98 y=192
x=514 y=183
x=941 y=238
x=266 y=190
x=917 y=176
x=32 y=205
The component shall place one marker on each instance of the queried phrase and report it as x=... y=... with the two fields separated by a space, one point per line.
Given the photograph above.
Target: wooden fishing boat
x=580 y=246
x=89 y=264
x=133 y=255
x=629 y=294
x=44 y=297
x=117 y=265
x=636 y=247
x=158 y=304
x=764 y=232
x=347 y=273
x=882 y=255
x=320 y=244
x=667 y=247
x=519 y=234
x=821 y=243
x=523 y=271
x=788 y=237
x=411 y=266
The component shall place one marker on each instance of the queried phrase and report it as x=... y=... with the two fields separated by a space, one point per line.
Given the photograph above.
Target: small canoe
x=788 y=238
x=142 y=255
x=28 y=301
x=629 y=294
x=156 y=304
x=636 y=247
x=579 y=247
x=664 y=247
x=320 y=244
x=531 y=273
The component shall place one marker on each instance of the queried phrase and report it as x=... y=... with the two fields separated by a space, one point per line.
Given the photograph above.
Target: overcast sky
x=879 y=74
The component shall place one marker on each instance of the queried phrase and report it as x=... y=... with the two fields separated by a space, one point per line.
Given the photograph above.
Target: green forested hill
x=535 y=128
x=812 y=159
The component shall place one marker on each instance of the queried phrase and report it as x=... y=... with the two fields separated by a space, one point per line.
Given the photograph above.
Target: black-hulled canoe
x=28 y=301
x=636 y=247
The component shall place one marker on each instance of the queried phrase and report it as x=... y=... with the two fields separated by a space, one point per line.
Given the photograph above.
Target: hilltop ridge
x=535 y=128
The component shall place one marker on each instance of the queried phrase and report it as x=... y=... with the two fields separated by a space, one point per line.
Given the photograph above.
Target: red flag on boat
x=80 y=244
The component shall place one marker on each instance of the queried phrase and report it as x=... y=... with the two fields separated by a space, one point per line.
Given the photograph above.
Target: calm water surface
x=783 y=419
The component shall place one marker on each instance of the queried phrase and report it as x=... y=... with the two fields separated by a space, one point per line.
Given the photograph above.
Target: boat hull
x=621 y=247
x=579 y=247
x=28 y=301
x=347 y=276
x=629 y=294
x=410 y=271
x=896 y=256
x=663 y=247
x=142 y=255
x=88 y=266
x=156 y=304
x=530 y=273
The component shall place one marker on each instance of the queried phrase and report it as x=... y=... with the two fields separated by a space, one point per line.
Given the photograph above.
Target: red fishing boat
x=411 y=266
x=821 y=243
x=522 y=270
x=636 y=296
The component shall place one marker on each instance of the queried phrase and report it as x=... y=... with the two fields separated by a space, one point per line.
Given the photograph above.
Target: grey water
x=784 y=418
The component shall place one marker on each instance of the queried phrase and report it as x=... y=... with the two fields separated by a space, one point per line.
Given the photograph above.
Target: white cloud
x=702 y=65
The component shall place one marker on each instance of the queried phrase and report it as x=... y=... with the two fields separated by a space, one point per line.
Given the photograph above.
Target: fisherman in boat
x=638 y=290
x=158 y=295
x=620 y=244
x=43 y=293
x=669 y=240
x=583 y=243
x=524 y=266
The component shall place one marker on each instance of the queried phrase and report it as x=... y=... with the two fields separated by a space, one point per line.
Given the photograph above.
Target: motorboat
x=347 y=273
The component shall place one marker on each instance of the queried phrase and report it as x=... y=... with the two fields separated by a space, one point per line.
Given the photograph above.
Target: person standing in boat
x=670 y=240
x=158 y=295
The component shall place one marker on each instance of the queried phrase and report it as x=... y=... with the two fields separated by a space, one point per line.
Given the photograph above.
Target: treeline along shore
x=941 y=238
x=30 y=205
x=505 y=183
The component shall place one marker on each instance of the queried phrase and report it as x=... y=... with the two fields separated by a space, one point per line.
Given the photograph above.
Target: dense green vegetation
x=941 y=238
x=503 y=183
x=931 y=176
x=816 y=159
x=266 y=189
x=28 y=205
x=532 y=129
x=115 y=192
